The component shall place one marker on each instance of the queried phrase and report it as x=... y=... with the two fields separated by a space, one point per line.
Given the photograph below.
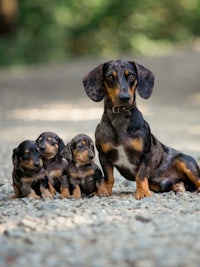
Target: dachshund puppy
x=84 y=175
x=51 y=146
x=29 y=177
x=124 y=139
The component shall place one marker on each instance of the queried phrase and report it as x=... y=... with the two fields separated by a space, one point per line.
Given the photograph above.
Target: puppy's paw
x=76 y=193
x=34 y=196
x=45 y=193
x=64 y=193
x=51 y=188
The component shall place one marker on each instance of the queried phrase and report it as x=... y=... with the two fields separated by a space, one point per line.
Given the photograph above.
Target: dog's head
x=50 y=144
x=80 y=150
x=117 y=81
x=27 y=156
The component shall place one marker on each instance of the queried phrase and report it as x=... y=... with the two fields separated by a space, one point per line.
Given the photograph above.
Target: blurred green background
x=49 y=31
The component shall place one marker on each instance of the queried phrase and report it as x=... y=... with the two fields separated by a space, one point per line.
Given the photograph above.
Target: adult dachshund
x=124 y=139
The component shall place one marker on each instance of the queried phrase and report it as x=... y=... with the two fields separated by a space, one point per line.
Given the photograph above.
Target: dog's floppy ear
x=145 y=81
x=67 y=152
x=93 y=84
x=61 y=145
x=15 y=156
x=90 y=143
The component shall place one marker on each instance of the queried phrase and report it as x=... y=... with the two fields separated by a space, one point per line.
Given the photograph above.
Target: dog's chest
x=123 y=160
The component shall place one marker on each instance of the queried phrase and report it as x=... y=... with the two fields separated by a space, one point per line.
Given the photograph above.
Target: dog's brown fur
x=51 y=146
x=124 y=139
x=29 y=176
x=84 y=175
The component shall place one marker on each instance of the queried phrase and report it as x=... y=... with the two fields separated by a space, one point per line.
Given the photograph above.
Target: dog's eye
x=80 y=147
x=131 y=77
x=25 y=155
x=110 y=77
x=53 y=143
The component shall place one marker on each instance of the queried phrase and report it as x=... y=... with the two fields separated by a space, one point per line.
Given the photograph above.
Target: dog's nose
x=42 y=145
x=91 y=155
x=37 y=164
x=124 y=97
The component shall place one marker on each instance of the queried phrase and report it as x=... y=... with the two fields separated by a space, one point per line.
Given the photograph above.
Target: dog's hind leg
x=188 y=170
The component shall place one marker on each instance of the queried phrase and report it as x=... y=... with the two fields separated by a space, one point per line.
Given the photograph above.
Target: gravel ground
x=116 y=231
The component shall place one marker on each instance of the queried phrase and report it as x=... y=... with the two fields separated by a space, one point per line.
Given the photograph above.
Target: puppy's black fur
x=29 y=177
x=84 y=175
x=124 y=139
x=51 y=146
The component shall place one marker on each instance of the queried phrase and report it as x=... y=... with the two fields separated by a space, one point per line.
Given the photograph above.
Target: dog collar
x=123 y=109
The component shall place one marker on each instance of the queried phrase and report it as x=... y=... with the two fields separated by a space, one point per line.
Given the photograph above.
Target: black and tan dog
x=84 y=175
x=124 y=139
x=51 y=146
x=29 y=176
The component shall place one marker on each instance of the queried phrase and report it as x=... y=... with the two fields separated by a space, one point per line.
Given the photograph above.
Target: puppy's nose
x=91 y=155
x=124 y=97
x=42 y=146
x=37 y=164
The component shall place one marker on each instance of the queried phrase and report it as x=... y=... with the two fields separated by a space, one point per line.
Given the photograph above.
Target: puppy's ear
x=67 y=152
x=145 y=81
x=15 y=156
x=90 y=144
x=61 y=145
x=93 y=84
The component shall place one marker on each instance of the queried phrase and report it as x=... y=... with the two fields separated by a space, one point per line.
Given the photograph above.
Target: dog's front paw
x=52 y=189
x=76 y=192
x=141 y=193
x=102 y=191
x=34 y=196
x=109 y=187
x=64 y=193
x=46 y=194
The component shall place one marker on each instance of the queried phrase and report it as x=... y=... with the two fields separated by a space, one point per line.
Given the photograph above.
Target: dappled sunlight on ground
x=61 y=112
x=71 y=114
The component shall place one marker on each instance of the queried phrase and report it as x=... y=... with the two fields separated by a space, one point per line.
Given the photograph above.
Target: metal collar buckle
x=117 y=110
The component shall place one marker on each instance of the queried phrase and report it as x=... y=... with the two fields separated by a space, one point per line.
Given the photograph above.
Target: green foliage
x=53 y=31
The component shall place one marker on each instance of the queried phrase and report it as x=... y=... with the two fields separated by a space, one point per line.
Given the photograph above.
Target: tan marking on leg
x=182 y=168
x=142 y=188
x=109 y=183
x=102 y=191
x=76 y=192
x=64 y=192
x=51 y=188
x=45 y=192
x=33 y=194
